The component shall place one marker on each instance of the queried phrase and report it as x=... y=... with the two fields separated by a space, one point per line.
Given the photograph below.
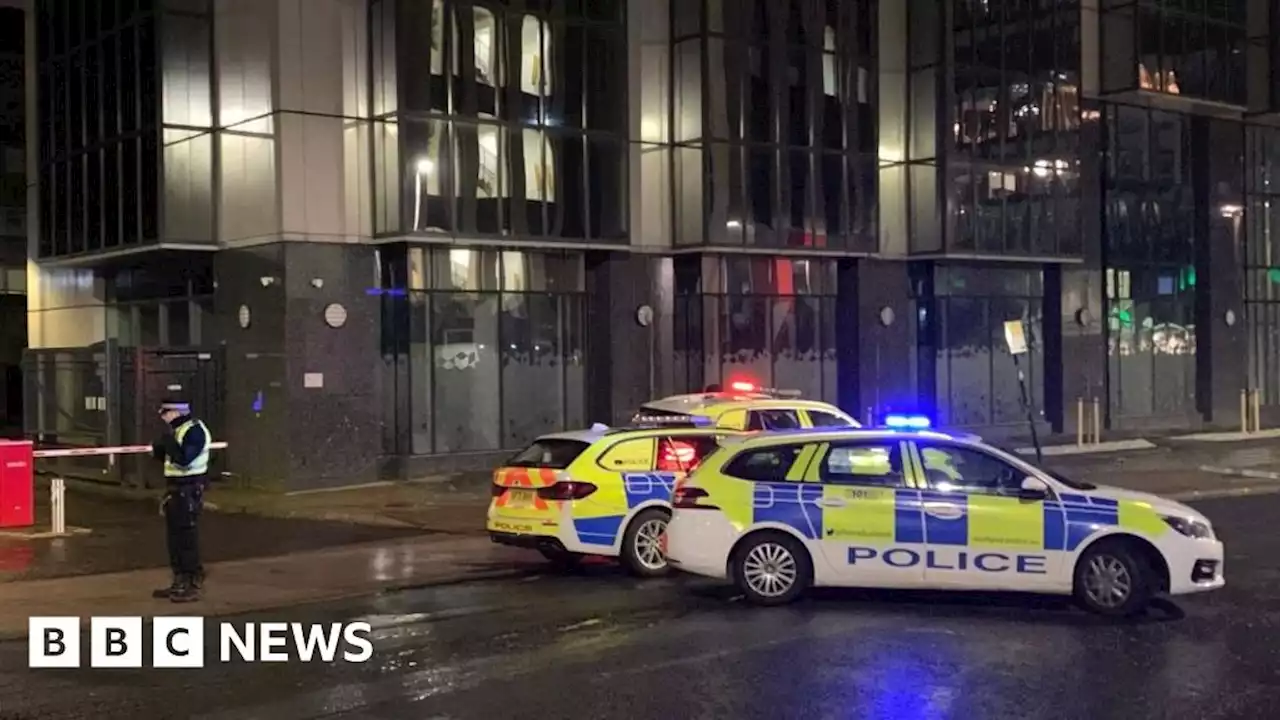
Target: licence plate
x=520 y=498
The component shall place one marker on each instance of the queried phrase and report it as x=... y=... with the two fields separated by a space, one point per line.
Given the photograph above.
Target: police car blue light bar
x=907 y=422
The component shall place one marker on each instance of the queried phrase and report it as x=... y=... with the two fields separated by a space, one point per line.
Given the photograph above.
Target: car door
x=981 y=532
x=871 y=513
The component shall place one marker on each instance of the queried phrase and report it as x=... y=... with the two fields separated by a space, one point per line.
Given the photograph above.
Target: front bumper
x=1199 y=568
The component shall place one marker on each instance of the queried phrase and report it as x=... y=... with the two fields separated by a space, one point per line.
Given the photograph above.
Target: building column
x=1221 y=363
x=875 y=332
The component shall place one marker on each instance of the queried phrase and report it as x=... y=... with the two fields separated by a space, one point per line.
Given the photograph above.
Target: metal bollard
x=1257 y=410
x=1097 y=422
x=58 y=506
x=1079 y=422
x=1244 y=411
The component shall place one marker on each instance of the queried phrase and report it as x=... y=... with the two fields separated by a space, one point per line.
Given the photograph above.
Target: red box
x=17 y=484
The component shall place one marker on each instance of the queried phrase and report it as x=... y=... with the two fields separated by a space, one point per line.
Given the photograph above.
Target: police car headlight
x=1190 y=528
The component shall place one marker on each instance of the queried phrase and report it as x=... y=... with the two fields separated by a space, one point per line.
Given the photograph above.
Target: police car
x=888 y=508
x=602 y=491
x=746 y=406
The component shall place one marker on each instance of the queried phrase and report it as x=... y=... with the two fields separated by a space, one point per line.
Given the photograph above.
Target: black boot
x=162 y=593
x=187 y=592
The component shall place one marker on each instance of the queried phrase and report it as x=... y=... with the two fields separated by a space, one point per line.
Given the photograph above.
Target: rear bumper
x=546 y=543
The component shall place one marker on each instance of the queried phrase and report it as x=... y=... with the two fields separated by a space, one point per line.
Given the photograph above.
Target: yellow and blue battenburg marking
x=638 y=488
x=945 y=519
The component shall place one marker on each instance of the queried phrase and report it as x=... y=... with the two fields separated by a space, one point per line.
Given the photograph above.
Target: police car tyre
x=771 y=568
x=1113 y=578
x=642 y=543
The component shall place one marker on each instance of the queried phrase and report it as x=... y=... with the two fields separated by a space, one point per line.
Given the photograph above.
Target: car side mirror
x=1033 y=488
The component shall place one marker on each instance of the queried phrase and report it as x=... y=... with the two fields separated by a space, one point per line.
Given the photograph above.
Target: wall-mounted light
x=426 y=166
x=1230 y=210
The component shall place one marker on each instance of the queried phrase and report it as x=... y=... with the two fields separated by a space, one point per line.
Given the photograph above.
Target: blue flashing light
x=393 y=292
x=907 y=422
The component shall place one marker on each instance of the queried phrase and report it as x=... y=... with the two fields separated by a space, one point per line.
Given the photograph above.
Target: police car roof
x=593 y=434
x=826 y=434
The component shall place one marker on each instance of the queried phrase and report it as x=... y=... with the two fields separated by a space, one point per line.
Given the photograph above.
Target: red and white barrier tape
x=116 y=450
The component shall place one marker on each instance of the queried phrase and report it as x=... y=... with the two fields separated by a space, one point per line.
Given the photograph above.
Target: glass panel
x=532 y=367
x=467 y=375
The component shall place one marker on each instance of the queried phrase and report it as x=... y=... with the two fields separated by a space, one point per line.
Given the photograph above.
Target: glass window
x=532 y=366
x=825 y=419
x=864 y=464
x=957 y=469
x=467 y=375
x=629 y=456
x=773 y=420
x=683 y=454
x=553 y=454
x=767 y=465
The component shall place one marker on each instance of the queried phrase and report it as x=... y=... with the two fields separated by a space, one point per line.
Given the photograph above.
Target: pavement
x=600 y=645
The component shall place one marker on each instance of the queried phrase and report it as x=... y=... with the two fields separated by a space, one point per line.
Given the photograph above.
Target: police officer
x=184 y=448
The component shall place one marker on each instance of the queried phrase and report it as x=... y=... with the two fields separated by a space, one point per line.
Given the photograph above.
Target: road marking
x=1225 y=493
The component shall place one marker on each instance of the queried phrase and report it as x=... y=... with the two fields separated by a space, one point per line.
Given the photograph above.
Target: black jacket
x=183 y=453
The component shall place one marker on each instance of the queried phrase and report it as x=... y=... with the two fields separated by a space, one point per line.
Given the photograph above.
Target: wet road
x=600 y=645
x=129 y=535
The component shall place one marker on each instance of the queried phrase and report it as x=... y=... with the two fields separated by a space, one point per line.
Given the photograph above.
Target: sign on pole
x=1015 y=336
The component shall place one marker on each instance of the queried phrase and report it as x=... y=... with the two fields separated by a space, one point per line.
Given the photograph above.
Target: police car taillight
x=569 y=490
x=689 y=498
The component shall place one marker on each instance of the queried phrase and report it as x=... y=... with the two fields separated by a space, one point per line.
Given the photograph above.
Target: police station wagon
x=777 y=514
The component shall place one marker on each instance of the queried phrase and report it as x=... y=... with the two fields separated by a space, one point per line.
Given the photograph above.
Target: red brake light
x=569 y=490
x=742 y=386
x=676 y=456
x=687 y=498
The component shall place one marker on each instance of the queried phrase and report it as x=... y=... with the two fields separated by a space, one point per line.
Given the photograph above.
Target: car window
x=683 y=454
x=764 y=465
x=950 y=468
x=629 y=456
x=867 y=463
x=554 y=454
x=773 y=420
x=820 y=418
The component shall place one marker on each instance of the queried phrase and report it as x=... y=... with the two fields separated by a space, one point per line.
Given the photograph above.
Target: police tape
x=113 y=450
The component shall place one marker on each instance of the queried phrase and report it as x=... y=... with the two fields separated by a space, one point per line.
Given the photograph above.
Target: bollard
x=1257 y=410
x=1244 y=411
x=57 y=506
x=1080 y=421
x=1097 y=421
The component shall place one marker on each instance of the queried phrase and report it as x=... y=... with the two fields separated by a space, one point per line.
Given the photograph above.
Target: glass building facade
x=430 y=227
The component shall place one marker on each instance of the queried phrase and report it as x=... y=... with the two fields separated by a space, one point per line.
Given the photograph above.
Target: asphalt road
x=600 y=645
x=129 y=535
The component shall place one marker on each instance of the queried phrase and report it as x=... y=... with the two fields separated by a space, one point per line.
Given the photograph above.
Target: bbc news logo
x=179 y=642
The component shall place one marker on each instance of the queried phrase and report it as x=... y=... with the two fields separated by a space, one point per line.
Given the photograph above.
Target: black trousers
x=182 y=506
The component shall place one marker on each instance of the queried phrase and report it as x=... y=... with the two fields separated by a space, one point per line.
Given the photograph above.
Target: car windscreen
x=551 y=453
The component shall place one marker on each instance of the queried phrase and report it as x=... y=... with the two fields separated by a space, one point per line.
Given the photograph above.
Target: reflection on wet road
x=604 y=646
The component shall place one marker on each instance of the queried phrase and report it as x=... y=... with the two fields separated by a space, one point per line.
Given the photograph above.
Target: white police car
x=782 y=512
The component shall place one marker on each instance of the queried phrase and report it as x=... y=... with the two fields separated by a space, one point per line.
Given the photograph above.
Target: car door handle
x=831 y=502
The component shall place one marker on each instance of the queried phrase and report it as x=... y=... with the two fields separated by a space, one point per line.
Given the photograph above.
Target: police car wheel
x=771 y=569
x=1113 y=579
x=642 y=544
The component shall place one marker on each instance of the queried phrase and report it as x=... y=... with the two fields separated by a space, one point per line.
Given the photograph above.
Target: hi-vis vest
x=198 y=466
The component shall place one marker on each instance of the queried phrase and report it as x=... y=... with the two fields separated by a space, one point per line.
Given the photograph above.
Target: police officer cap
x=175 y=405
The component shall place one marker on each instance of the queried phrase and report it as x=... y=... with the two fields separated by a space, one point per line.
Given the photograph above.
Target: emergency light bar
x=746 y=387
x=907 y=422
x=694 y=420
